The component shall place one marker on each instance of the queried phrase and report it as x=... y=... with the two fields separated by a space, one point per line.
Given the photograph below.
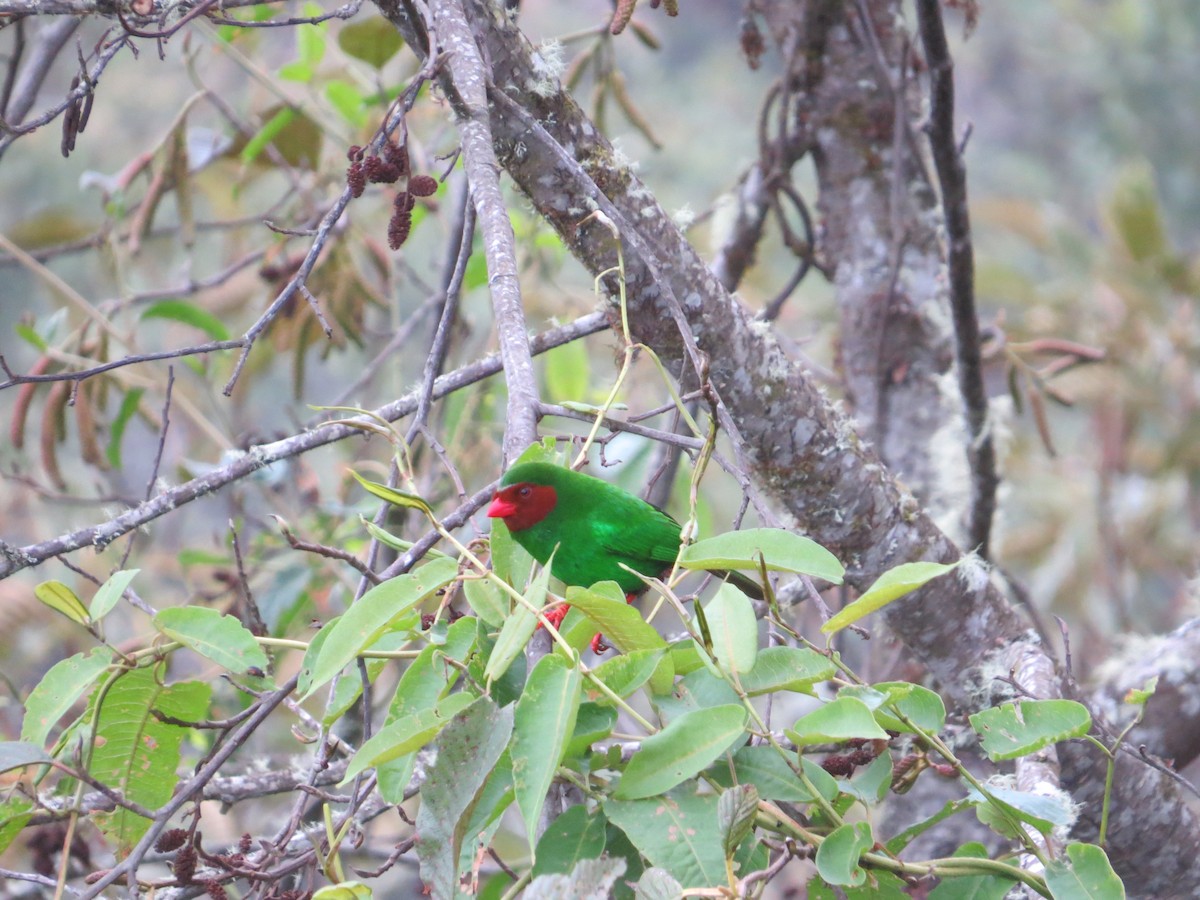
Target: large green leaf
x=519 y=627
x=838 y=720
x=137 y=753
x=407 y=734
x=427 y=680
x=787 y=669
x=363 y=623
x=1018 y=729
x=733 y=629
x=467 y=751
x=770 y=773
x=15 y=811
x=677 y=833
x=213 y=635
x=576 y=834
x=888 y=587
x=1085 y=874
x=544 y=720
x=839 y=854
x=684 y=748
x=58 y=691
x=624 y=674
x=18 y=754
x=782 y=551
x=62 y=599
x=109 y=593
x=373 y=39
x=622 y=625
x=189 y=314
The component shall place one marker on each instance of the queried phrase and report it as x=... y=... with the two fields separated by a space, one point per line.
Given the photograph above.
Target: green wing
x=635 y=530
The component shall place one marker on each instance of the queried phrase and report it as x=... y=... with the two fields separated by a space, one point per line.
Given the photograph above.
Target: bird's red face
x=523 y=505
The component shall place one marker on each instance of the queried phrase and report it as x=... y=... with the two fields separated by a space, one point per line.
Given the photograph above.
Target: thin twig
x=961 y=265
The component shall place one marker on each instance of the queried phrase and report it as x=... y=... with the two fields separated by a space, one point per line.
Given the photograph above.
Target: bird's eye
x=525 y=491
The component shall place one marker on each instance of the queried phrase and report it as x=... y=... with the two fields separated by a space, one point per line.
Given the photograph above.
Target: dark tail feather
x=744 y=583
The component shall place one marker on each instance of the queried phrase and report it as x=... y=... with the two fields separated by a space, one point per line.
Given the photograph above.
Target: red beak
x=501 y=508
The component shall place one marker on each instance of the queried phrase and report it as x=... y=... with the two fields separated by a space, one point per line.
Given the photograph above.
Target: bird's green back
x=597 y=527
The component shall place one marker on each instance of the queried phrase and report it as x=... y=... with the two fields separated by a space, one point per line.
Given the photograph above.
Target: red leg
x=556 y=615
x=598 y=645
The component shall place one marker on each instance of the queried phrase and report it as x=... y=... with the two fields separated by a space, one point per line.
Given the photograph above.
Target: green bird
x=598 y=527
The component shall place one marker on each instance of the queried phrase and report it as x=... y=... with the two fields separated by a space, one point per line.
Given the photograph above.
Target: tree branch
x=14 y=559
x=960 y=261
x=469 y=85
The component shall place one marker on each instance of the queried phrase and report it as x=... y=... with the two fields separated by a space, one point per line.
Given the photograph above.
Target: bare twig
x=13 y=559
x=470 y=82
x=961 y=264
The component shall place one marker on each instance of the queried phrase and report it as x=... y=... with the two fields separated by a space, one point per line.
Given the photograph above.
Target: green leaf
x=770 y=773
x=188 y=314
x=787 y=669
x=373 y=39
x=406 y=734
x=871 y=784
x=510 y=561
x=733 y=628
x=567 y=372
x=683 y=749
x=1139 y=696
x=426 y=680
x=838 y=720
x=594 y=723
x=30 y=336
x=1085 y=874
x=575 y=835
x=363 y=623
x=783 y=551
x=58 y=691
x=116 y=431
x=923 y=707
x=624 y=674
x=346 y=691
x=622 y=625
x=15 y=812
x=545 y=717
x=1018 y=729
x=735 y=815
x=468 y=749
x=657 y=884
x=487 y=601
x=888 y=587
x=213 y=635
x=1135 y=211
x=897 y=844
x=971 y=887
x=1043 y=811
x=519 y=626
x=19 y=754
x=135 y=752
x=110 y=592
x=393 y=496
x=839 y=854
x=62 y=599
x=295 y=136
x=348 y=101
x=346 y=890
x=699 y=690
x=677 y=834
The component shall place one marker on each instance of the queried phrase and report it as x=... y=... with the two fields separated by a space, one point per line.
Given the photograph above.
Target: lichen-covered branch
x=469 y=78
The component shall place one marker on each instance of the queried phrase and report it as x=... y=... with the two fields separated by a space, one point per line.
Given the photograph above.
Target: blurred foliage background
x=1086 y=205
